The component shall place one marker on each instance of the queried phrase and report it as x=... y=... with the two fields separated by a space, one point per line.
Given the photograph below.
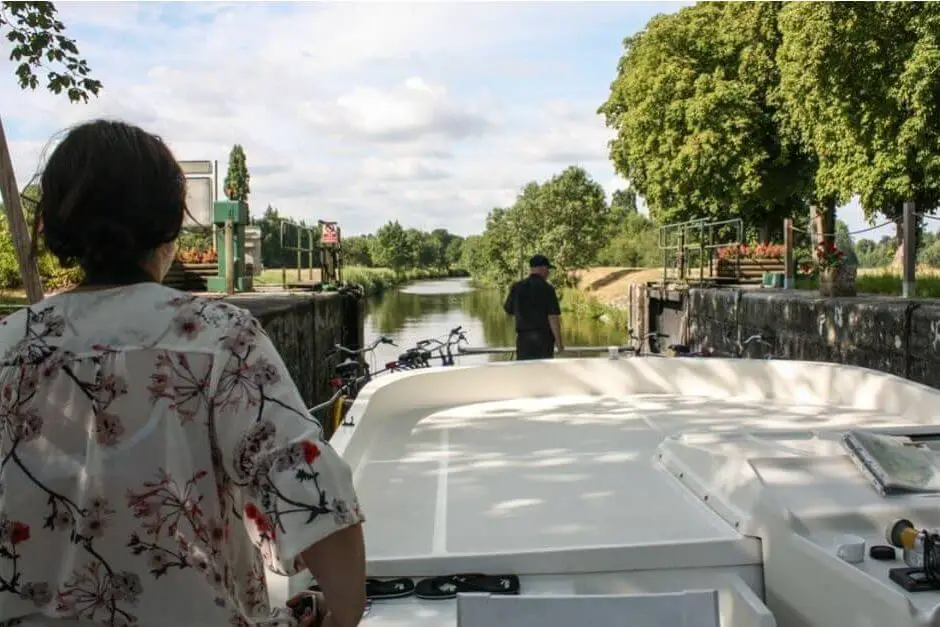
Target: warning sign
x=329 y=233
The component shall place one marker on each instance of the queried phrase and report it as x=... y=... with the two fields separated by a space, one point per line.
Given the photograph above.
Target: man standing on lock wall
x=534 y=304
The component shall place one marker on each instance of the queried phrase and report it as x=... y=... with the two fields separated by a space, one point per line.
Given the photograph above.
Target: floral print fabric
x=156 y=457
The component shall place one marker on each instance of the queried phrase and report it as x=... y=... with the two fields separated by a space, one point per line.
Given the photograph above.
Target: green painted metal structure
x=234 y=212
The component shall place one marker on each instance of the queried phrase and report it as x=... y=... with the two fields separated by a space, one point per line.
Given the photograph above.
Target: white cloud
x=402 y=169
x=407 y=112
x=430 y=113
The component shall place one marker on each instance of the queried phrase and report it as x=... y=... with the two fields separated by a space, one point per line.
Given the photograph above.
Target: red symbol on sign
x=330 y=233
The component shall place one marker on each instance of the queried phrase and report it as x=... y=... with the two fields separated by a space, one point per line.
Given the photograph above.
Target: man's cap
x=539 y=261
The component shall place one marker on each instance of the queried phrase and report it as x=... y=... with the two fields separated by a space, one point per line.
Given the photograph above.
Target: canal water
x=430 y=309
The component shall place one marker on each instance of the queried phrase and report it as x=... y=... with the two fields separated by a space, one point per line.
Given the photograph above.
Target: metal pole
x=682 y=254
x=789 y=272
x=910 y=250
x=214 y=197
x=310 y=253
x=229 y=257
x=300 y=263
x=701 y=252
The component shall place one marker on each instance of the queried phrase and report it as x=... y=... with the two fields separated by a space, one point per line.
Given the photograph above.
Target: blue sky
x=429 y=113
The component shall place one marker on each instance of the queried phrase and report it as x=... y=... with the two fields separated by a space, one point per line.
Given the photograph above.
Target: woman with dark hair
x=156 y=455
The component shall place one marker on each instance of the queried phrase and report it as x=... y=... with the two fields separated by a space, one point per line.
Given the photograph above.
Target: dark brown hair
x=110 y=194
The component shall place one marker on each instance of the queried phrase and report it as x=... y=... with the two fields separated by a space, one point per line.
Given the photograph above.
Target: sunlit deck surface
x=552 y=471
x=560 y=473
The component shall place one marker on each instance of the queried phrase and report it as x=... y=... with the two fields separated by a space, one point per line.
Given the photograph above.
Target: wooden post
x=681 y=258
x=229 y=257
x=789 y=271
x=19 y=232
x=910 y=250
x=310 y=253
x=300 y=262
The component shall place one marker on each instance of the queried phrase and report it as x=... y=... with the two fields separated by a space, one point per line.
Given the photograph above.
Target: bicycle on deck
x=425 y=351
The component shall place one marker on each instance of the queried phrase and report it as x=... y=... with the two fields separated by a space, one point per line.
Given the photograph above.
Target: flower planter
x=838 y=281
x=190 y=276
x=749 y=268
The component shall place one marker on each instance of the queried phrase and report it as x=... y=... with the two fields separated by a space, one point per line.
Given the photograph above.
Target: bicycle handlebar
x=339 y=348
x=320 y=407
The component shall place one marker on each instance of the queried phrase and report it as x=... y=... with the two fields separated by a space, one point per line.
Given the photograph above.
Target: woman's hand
x=309 y=608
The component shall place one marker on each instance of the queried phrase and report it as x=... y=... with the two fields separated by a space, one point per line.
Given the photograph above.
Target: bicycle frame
x=355 y=356
x=444 y=349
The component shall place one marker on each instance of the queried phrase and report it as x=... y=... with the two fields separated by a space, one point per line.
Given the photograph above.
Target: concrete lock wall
x=892 y=335
x=304 y=329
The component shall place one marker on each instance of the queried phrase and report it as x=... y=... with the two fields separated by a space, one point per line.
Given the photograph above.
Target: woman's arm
x=338 y=562
x=294 y=493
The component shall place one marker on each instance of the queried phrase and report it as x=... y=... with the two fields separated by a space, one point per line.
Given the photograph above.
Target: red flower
x=252 y=512
x=263 y=523
x=20 y=533
x=311 y=451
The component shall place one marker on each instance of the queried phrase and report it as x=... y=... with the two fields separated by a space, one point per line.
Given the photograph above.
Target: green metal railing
x=698 y=238
x=298 y=247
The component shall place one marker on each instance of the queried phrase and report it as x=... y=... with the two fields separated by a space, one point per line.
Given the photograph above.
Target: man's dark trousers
x=534 y=345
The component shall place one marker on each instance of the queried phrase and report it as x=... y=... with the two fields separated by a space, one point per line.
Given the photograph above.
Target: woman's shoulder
x=136 y=315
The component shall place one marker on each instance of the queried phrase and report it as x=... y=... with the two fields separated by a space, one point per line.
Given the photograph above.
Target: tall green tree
x=566 y=218
x=697 y=132
x=391 y=247
x=237 y=179
x=576 y=215
x=859 y=85
x=37 y=44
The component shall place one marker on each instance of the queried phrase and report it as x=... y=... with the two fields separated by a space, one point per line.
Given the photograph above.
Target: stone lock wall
x=893 y=335
x=304 y=328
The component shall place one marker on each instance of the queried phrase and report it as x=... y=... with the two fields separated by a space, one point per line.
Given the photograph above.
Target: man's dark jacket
x=531 y=301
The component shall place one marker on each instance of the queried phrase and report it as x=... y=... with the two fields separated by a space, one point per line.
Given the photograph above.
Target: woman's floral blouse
x=156 y=456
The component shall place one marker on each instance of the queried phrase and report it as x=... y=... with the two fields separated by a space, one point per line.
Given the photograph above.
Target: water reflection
x=431 y=308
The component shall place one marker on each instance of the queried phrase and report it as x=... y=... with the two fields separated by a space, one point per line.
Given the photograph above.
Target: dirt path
x=611 y=286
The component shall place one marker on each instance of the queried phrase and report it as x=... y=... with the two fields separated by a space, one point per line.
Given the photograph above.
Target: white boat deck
x=558 y=472
x=542 y=476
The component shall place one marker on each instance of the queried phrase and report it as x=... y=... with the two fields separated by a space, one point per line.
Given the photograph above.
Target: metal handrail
x=505 y=350
x=703 y=244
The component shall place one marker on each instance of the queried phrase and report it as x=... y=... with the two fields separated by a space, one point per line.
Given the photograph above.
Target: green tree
x=566 y=218
x=623 y=203
x=843 y=240
x=391 y=247
x=237 y=179
x=37 y=43
x=453 y=254
x=876 y=254
x=357 y=251
x=633 y=243
x=269 y=225
x=697 y=132
x=422 y=248
x=859 y=84
x=575 y=218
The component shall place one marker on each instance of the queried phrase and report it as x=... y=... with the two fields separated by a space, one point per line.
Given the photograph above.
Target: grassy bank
x=887 y=282
x=373 y=280
x=583 y=305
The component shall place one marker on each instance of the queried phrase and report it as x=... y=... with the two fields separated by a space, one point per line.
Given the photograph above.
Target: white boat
x=620 y=490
